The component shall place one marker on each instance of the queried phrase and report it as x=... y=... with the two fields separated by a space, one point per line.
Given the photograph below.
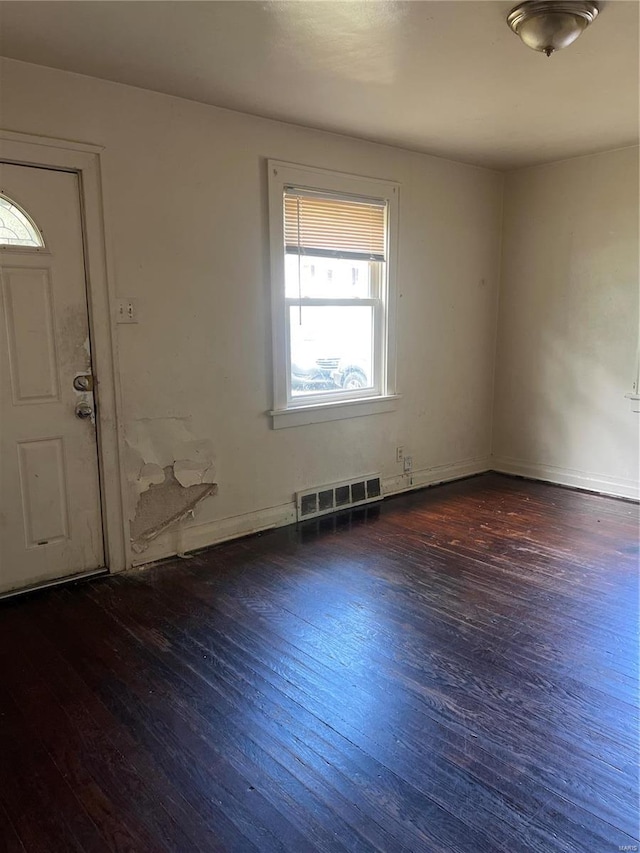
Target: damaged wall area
x=202 y=346
x=163 y=505
x=169 y=472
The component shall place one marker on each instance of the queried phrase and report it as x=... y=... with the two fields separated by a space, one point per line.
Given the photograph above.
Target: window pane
x=327 y=278
x=331 y=348
x=15 y=227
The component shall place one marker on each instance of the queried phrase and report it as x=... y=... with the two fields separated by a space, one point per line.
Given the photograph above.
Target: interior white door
x=50 y=516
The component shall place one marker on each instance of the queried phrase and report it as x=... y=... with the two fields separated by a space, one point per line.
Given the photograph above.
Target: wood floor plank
x=278 y=735
x=74 y=715
x=580 y=787
x=166 y=714
x=43 y=807
x=344 y=642
x=251 y=754
x=453 y=670
x=338 y=760
x=9 y=839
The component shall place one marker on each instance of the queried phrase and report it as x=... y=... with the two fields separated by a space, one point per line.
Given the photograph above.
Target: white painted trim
x=185 y=539
x=85 y=161
x=435 y=475
x=621 y=488
x=49 y=142
x=212 y=532
x=634 y=402
x=333 y=411
x=67 y=579
x=280 y=175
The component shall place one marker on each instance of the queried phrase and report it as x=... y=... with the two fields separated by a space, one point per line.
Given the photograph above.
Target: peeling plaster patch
x=150 y=475
x=189 y=473
x=169 y=472
x=163 y=440
x=164 y=504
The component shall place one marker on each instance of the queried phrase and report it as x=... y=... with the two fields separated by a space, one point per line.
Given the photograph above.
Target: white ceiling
x=448 y=78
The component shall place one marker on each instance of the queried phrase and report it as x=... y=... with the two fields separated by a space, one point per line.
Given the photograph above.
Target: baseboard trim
x=184 y=539
x=573 y=478
x=435 y=475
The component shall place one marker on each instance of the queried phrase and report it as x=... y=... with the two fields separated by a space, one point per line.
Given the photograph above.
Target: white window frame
x=287 y=410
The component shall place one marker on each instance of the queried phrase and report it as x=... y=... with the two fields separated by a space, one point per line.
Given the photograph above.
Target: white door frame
x=84 y=160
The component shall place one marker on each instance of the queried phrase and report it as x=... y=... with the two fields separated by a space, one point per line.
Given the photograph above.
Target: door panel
x=50 y=518
x=45 y=509
x=31 y=342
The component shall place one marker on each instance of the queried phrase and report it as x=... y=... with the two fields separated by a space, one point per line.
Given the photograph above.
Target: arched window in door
x=17 y=228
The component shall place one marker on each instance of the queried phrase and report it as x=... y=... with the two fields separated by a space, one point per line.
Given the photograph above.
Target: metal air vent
x=325 y=499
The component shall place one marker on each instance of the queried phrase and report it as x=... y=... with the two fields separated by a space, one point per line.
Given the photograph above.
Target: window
x=17 y=227
x=332 y=265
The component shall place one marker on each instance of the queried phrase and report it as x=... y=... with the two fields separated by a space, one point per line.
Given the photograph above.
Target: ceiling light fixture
x=550 y=25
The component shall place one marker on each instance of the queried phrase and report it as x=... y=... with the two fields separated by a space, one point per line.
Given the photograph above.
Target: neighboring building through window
x=332 y=250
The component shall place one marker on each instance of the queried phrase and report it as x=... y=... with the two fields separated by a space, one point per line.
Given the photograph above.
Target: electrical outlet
x=127 y=311
x=408 y=464
x=399 y=453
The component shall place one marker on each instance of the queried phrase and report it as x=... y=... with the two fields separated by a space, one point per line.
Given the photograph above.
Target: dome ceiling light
x=551 y=25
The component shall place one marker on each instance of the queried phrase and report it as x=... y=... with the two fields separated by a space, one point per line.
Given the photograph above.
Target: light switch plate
x=127 y=311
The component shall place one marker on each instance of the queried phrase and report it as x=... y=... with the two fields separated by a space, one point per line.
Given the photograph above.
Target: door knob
x=83 y=383
x=83 y=411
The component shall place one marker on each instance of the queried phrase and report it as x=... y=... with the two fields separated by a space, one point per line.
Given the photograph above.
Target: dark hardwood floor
x=453 y=670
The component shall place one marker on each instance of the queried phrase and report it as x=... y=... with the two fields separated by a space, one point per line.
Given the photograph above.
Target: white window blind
x=330 y=226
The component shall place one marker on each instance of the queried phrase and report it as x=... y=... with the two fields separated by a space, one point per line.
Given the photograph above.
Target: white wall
x=186 y=207
x=568 y=323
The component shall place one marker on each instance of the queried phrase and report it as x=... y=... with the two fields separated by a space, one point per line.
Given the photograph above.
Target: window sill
x=336 y=411
x=634 y=401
